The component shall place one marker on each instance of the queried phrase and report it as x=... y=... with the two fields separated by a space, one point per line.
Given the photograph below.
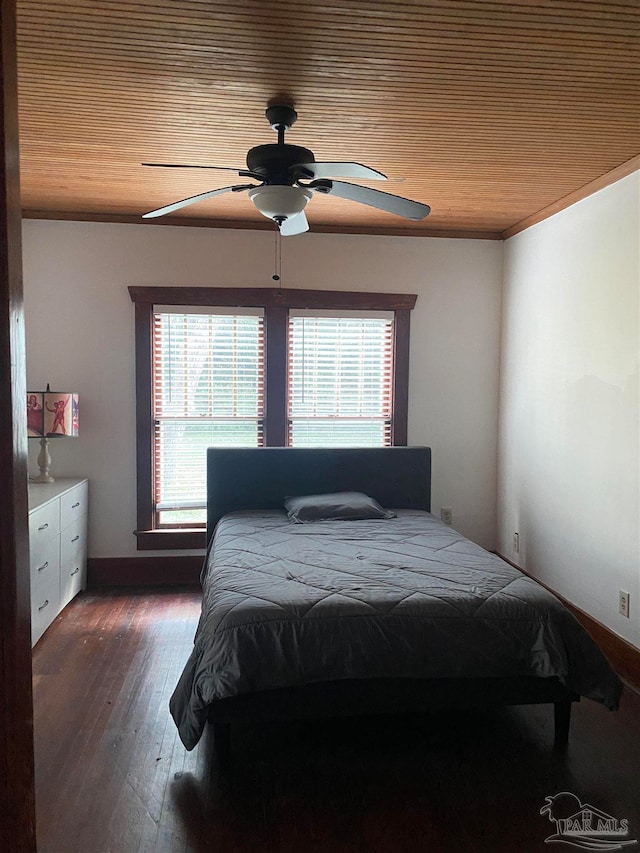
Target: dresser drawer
x=73 y=505
x=73 y=541
x=72 y=580
x=44 y=523
x=73 y=560
x=44 y=560
x=45 y=603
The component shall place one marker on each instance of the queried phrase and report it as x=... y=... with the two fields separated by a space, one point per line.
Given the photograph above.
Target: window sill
x=170 y=540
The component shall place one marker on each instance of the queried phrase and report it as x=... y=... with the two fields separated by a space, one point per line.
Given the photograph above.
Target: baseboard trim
x=623 y=657
x=143 y=571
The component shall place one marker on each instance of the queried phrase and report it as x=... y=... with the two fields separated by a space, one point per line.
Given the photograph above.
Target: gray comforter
x=288 y=604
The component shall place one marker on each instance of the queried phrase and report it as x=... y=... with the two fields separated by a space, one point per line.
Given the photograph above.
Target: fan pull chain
x=277 y=262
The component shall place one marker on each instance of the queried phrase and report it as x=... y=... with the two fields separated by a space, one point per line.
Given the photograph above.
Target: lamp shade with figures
x=50 y=414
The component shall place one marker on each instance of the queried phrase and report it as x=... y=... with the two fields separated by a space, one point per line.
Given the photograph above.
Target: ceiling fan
x=288 y=177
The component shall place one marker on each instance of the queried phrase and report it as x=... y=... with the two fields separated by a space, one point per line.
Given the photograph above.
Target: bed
x=367 y=616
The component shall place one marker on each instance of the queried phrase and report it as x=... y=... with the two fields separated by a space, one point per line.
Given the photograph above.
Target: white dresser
x=58 y=548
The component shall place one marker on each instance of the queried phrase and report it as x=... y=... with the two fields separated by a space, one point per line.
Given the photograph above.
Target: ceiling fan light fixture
x=280 y=202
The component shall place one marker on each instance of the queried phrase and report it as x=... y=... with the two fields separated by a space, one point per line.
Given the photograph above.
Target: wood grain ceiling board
x=490 y=112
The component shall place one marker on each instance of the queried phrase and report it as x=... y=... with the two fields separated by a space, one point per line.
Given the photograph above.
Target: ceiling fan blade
x=190 y=166
x=176 y=205
x=374 y=198
x=341 y=170
x=294 y=225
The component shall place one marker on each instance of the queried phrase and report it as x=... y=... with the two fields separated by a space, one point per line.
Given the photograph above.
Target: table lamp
x=50 y=414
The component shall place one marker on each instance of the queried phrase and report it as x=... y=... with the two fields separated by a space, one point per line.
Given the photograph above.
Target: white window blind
x=208 y=390
x=340 y=381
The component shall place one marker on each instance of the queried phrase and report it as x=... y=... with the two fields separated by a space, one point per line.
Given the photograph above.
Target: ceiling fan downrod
x=281 y=117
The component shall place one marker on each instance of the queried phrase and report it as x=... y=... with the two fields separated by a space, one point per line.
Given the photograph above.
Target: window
x=294 y=367
x=208 y=390
x=340 y=380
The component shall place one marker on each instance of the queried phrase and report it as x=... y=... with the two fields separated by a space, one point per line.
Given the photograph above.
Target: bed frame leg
x=561 y=719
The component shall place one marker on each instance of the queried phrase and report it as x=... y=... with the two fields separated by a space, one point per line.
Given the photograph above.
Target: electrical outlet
x=623 y=603
x=446 y=514
x=516 y=543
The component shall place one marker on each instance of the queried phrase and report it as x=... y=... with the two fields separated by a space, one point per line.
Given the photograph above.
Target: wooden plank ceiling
x=489 y=111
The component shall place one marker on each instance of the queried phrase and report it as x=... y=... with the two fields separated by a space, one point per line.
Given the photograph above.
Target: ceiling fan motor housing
x=273 y=162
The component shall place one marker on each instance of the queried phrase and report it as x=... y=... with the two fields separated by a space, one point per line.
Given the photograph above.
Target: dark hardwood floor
x=112 y=775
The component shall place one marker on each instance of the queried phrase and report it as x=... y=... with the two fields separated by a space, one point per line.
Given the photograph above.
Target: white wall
x=569 y=411
x=80 y=335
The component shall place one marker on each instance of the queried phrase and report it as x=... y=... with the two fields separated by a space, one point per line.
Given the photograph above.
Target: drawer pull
x=43 y=527
x=75 y=571
x=43 y=566
x=42 y=606
x=74 y=506
x=75 y=538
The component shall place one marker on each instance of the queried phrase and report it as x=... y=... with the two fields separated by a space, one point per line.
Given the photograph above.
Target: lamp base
x=42 y=478
x=44 y=463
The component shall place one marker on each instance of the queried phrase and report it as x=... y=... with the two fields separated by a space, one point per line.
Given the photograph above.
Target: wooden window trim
x=144 y=420
x=276 y=303
x=165 y=540
x=401 y=328
x=276 y=318
x=264 y=297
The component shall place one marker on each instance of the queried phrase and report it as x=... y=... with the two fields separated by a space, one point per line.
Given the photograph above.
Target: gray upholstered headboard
x=261 y=477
